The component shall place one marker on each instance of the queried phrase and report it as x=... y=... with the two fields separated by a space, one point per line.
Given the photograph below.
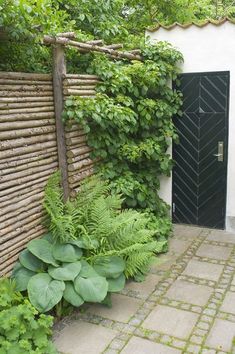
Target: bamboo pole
x=12 y=173
x=78 y=151
x=25 y=76
x=73 y=134
x=16 y=165
x=34 y=183
x=23 y=82
x=20 y=244
x=90 y=47
x=12 y=134
x=26 y=110
x=76 y=140
x=32 y=156
x=12 y=210
x=80 y=76
x=24 y=150
x=25 y=94
x=26 y=117
x=24 y=144
x=15 y=100
x=16 y=196
x=80 y=82
x=36 y=172
x=34 y=221
x=72 y=92
x=36 y=88
x=75 y=167
x=5 y=126
x=78 y=158
x=81 y=88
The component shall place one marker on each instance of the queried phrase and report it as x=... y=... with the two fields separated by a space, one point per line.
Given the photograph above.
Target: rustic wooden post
x=59 y=70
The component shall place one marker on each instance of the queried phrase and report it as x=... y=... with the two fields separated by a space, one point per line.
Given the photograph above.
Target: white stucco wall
x=209 y=48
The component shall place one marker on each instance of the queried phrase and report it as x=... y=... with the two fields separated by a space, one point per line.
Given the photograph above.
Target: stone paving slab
x=185 y=305
x=142 y=346
x=221 y=335
x=123 y=308
x=85 y=338
x=190 y=293
x=203 y=270
x=174 y=322
x=215 y=252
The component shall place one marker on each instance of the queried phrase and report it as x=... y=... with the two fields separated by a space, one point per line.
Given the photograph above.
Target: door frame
x=226 y=149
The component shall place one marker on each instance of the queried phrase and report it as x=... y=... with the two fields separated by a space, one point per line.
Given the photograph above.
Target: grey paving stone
x=188 y=292
x=228 y=304
x=146 y=287
x=84 y=338
x=221 y=335
x=123 y=308
x=233 y=281
x=216 y=252
x=186 y=231
x=163 y=262
x=178 y=246
x=144 y=346
x=203 y=270
x=166 y=320
x=221 y=236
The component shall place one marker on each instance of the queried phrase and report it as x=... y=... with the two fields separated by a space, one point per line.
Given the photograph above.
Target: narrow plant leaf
x=66 y=252
x=68 y=271
x=109 y=267
x=45 y=292
x=71 y=296
x=21 y=275
x=29 y=261
x=116 y=284
x=91 y=289
x=42 y=249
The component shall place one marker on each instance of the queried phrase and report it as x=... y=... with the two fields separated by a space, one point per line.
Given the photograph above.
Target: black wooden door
x=200 y=172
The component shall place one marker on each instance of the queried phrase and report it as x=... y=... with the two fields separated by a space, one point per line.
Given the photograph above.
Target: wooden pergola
x=59 y=43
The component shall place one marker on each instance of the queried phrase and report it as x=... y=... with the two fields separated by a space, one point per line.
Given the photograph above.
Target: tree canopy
x=26 y=21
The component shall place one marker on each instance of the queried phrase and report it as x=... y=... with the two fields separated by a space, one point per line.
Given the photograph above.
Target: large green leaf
x=42 y=249
x=68 y=271
x=71 y=295
x=109 y=267
x=22 y=276
x=66 y=252
x=45 y=292
x=86 y=244
x=92 y=289
x=87 y=270
x=116 y=284
x=29 y=261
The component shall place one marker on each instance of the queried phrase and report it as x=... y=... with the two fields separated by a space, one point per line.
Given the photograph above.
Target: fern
x=96 y=214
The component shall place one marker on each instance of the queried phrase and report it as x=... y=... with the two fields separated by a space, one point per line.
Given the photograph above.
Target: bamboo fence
x=29 y=154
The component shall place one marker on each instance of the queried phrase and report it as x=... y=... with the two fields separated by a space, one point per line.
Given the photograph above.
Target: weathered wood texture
x=31 y=138
x=28 y=156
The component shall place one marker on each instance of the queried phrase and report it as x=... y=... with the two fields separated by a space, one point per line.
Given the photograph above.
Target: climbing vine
x=129 y=122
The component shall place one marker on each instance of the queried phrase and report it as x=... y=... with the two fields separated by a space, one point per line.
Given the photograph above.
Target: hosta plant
x=52 y=272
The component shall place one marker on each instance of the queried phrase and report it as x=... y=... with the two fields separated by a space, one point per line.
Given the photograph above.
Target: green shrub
x=92 y=247
x=22 y=329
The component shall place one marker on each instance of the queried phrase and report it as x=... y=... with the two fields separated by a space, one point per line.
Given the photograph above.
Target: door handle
x=220 y=154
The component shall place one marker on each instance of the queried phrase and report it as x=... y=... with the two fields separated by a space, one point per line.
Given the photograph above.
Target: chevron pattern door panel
x=200 y=172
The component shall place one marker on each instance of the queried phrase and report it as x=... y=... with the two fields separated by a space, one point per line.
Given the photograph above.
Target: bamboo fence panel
x=28 y=156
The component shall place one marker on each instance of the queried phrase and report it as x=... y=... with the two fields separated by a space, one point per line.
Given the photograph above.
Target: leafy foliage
x=22 y=329
x=129 y=123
